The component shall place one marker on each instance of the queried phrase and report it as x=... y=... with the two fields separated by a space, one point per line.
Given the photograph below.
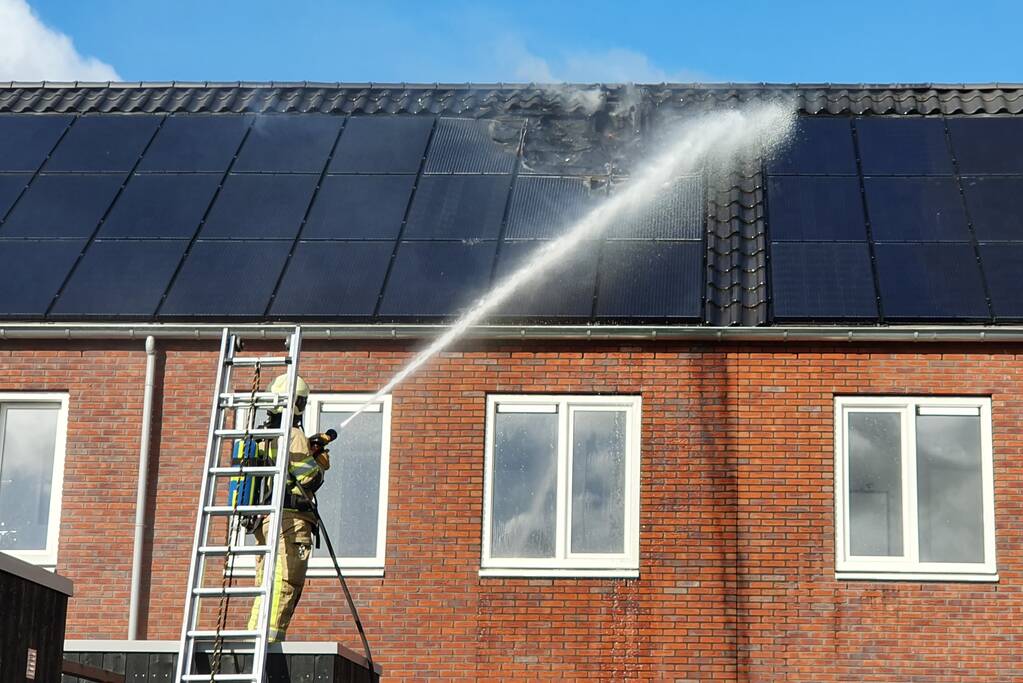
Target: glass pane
x=875 y=484
x=949 y=488
x=598 y=481
x=524 y=486
x=26 y=470
x=349 y=499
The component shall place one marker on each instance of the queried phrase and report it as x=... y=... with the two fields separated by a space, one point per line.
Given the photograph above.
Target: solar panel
x=1003 y=264
x=333 y=278
x=675 y=213
x=821 y=145
x=915 y=209
x=937 y=281
x=473 y=146
x=556 y=145
x=984 y=144
x=103 y=143
x=815 y=208
x=26 y=139
x=289 y=144
x=120 y=278
x=822 y=281
x=10 y=187
x=359 y=207
x=653 y=280
x=226 y=279
x=260 y=207
x=458 y=207
x=437 y=278
x=161 y=206
x=563 y=291
x=903 y=146
x=62 y=206
x=994 y=207
x=382 y=144
x=543 y=207
x=31 y=272
x=195 y=143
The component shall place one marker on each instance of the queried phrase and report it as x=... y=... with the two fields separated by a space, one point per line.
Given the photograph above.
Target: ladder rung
x=245 y=469
x=260 y=433
x=239 y=509
x=234 y=635
x=219 y=677
x=261 y=360
x=234 y=549
x=262 y=399
x=252 y=591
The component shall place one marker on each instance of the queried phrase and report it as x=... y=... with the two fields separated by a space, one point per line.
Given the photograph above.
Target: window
x=561 y=495
x=914 y=488
x=33 y=428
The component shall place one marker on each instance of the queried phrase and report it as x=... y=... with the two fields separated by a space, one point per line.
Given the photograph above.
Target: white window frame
x=565 y=563
x=351 y=566
x=909 y=567
x=46 y=557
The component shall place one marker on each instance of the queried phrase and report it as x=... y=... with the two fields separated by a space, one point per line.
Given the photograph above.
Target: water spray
x=714 y=140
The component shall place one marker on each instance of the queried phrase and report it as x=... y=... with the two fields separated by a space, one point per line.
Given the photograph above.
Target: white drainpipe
x=140 y=497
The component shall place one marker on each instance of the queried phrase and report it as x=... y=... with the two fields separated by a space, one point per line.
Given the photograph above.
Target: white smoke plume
x=32 y=51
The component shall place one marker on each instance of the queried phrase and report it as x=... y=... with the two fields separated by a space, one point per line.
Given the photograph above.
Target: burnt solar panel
x=325 y=279
x=62 y=206
x=563 y=291
x=31 y=273
x=903 y=146
x=26 y=139
x=382 y=144
x=916 y=210
x=544 y=207
x=458 y=207
x=190 y=143
x=994 y=207
x=226 y=279
x=824 y=281
x=359 y=207
x=815 y=208
x=651 y=280
x=259 y=207
x=164 y=206
x=431 y=279
x=118 y=278
x=288 y=144
x=103 y=143
x=473 y=146
x=820 y=145
x=936 y=281
x=987 y=144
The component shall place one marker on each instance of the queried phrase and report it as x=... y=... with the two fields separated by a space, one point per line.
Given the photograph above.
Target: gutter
x=140 y=497
x=368 y=332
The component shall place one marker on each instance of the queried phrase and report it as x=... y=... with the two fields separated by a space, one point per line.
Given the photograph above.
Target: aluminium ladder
x=215 y=500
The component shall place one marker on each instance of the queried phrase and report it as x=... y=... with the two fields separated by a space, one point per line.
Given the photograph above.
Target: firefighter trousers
x=293 y=549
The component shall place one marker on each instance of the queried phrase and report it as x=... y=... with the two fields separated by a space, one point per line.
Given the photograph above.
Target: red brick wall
x=737 y=536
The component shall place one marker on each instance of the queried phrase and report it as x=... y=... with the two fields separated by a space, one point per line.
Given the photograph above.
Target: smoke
x=32 y=51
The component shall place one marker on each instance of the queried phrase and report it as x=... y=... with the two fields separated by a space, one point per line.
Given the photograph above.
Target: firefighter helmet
x=280 y=386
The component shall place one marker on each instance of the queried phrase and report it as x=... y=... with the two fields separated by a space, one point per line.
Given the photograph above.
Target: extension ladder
x=217 y=499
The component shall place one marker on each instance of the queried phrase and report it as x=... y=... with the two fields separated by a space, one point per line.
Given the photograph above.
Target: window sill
x=564 y=573
x=916 y=576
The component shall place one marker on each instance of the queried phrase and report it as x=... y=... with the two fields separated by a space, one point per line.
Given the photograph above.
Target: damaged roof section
x=381 y=203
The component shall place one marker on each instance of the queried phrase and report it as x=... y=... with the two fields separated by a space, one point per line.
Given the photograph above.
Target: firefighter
x=298 y=522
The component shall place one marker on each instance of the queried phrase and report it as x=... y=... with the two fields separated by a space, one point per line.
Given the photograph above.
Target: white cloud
x=616 y=65
x=32 y=51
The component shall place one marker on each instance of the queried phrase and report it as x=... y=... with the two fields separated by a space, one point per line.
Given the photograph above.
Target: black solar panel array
x=319 y=217
x=897 y=219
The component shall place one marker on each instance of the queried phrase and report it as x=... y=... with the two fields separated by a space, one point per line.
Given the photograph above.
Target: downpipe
x=140 y=496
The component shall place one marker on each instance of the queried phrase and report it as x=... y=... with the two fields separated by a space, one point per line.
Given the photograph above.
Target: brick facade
x=737 y=523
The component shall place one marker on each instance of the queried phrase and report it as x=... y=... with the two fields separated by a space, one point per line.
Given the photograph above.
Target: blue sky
x=631 y=40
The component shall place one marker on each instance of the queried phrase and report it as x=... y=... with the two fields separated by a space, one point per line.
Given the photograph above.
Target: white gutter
x=203 y=331
x=140 y=496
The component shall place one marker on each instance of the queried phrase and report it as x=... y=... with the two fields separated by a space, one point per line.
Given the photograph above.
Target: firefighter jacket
x=305 y=469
